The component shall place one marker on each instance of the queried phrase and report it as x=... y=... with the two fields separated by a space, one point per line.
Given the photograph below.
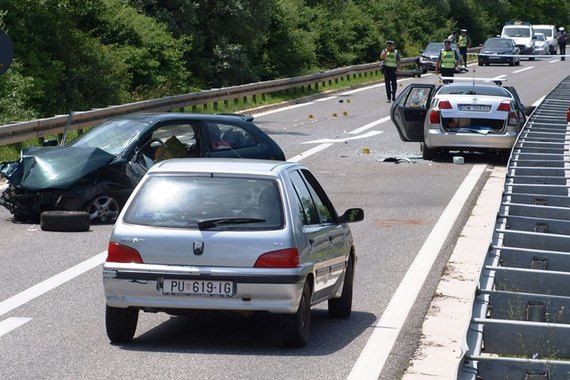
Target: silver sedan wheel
x=104 y=209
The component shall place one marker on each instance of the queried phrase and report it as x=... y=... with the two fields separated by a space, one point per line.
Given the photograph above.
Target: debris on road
x=458 y=160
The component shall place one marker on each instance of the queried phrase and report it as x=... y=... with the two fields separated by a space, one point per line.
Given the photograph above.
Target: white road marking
x=369 y=125
x=554 y=60
x=325 y=99
x=282 y=109
x=12 y=323
x=500 y=77
x=537 y=103
x=364 y=136
x=384 y=333
x=525 y=69
x=310 y=152
x=51 y=283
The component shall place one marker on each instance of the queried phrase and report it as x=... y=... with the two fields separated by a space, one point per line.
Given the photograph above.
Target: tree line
x=81 y=54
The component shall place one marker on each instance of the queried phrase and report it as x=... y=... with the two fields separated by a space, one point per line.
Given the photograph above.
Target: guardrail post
x=323 y=83
x=254 y=98
x=225 y=103
x=245 y=99
x=205 y=106
x=236 y=101
x=263 y=97
x=194 y=108
x=336 y=80
x=215 y=106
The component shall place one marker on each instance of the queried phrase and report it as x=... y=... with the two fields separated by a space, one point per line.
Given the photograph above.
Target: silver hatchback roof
x=221 y=165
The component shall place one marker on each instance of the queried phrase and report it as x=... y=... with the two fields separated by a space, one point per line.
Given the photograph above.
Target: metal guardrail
x=520 y=327
x=22 y=131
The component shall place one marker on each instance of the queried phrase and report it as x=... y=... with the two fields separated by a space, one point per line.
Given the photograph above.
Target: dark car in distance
x=428 y=56
x=97 y=171
x=499 y=50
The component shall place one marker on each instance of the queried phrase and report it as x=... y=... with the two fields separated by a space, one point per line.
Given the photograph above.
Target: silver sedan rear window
x=213 y=203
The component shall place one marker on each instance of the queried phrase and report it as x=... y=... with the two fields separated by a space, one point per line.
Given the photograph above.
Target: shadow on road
x=256 y=335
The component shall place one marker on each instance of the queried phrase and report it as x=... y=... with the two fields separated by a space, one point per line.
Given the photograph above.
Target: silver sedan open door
x=410 y=109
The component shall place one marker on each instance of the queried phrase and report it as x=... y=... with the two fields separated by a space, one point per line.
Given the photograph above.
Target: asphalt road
x=65 y=337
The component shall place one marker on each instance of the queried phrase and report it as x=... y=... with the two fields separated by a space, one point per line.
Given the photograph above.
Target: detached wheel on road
x=103 y=209
x=64 y=221
x=342 y=307
x=296 y=327
x=427 y=153
x=121 y=324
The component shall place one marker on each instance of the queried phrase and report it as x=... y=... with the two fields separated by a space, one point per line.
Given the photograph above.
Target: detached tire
x=121 y=324
x=296 y=327
x=342 y=307
x=64 y=221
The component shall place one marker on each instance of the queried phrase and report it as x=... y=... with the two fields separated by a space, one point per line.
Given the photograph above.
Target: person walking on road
x=463 y=43
x=562 y=37
x=447 y=61
x=391 y=58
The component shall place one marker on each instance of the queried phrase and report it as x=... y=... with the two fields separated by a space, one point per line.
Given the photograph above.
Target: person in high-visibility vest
x=463 y=43
x=447 y=61
x=391 y=58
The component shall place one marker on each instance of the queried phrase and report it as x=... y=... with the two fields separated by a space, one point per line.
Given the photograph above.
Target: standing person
x=562 y=38
x=463 y=43
x=447 y=61
x=391 y=58
x=453 y=36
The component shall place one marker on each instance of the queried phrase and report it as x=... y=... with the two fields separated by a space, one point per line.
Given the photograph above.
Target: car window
x=517 y=32
x=324 y=209
x=418 y=98
x=183 y=201
x=474 y=90
x=310 y=214
x=178 y=141
x=113 y=136
x=546 y=32
x=229 y=136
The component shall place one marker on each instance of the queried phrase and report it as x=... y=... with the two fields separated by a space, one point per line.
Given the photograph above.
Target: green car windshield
x=113 y=136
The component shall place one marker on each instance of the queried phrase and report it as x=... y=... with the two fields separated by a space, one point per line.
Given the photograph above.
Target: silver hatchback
x=216 y=234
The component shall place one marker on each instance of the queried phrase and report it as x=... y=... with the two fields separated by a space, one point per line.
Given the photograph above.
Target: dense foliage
x=79 y=54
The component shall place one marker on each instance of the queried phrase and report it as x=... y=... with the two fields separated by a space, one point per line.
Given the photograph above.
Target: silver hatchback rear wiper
x=205 y=224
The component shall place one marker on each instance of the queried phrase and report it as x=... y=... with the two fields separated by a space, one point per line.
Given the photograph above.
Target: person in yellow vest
x=447 y=61
x=463 y=43
x=391 y=58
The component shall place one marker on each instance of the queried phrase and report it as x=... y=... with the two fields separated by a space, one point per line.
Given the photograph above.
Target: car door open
x=409 y=111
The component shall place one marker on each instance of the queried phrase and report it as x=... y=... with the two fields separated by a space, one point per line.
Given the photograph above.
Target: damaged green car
x=98 y=170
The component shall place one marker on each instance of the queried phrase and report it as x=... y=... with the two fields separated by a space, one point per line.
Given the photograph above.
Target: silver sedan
x=217 y=234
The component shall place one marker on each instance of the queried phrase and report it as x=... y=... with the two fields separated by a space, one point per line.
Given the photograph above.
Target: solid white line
x=537 y=103
x=12 y=323
x=525 y=69
x=554 y=60
x=51 y=283
x=369 y=125
x=373 y=358
x=364 y=136
x=325 y=99
x=282 y=109
x=310 y=152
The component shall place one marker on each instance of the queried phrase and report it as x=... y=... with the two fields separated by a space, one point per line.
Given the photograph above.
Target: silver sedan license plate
x=198 y=288
x=474 y=108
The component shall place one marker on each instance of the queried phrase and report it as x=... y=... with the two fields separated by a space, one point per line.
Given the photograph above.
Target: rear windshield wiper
x=205 y=224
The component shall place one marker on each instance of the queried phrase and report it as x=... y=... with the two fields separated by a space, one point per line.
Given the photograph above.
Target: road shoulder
x=444 y=329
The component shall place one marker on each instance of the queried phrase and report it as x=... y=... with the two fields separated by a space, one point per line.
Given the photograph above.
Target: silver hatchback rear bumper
x=140 y=286
x=435 y=138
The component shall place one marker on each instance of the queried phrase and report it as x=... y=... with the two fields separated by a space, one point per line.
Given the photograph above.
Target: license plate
x=474 y=108
x=198 y=288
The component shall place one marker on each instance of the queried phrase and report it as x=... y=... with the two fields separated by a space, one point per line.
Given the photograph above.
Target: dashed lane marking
x=51 y=283
x=554 y=61
x=364 y=136
x=369 y=125
x=12 y=323
x=525 y=69
x=310 y=152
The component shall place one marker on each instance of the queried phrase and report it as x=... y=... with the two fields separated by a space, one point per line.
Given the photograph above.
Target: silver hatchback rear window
x=206 y=202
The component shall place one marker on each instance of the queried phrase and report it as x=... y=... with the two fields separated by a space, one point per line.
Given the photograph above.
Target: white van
x=522 y=33
x=549 y=32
